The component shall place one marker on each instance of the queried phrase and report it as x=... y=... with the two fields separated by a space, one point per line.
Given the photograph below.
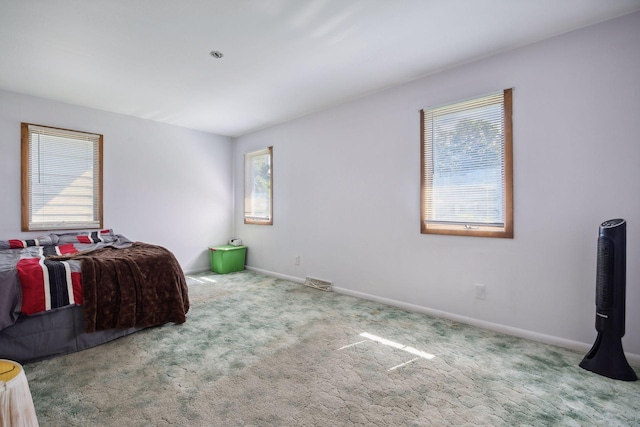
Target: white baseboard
x=632 y=358
x=274 y=274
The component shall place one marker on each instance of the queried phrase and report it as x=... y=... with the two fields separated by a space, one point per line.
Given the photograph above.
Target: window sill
x=461 y=230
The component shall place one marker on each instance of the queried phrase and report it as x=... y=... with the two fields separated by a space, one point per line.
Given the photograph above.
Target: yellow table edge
x=9 y=370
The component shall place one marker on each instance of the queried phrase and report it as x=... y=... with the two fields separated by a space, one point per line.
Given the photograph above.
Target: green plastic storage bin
x=227 y=258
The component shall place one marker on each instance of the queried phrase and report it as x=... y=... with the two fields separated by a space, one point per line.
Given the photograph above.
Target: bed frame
x=126 y=286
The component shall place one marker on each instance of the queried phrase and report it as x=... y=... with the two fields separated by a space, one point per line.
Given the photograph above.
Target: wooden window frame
x=26 y=203
x=507 y=230
x=248 y=200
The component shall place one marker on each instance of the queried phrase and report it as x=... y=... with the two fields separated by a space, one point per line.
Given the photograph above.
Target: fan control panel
x=610 y=223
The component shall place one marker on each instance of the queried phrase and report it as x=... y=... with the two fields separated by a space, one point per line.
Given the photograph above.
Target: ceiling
x=282 y=58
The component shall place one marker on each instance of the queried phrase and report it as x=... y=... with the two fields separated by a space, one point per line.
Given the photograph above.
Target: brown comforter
x=138 y=286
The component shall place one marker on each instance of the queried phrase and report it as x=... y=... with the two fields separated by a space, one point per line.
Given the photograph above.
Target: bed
x=62 y=293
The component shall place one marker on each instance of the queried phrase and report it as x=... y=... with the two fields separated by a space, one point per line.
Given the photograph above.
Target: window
x=61 y=179
x=258 y=187
x=467 y=172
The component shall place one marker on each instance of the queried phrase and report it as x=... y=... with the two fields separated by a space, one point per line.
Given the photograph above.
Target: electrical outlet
x=297 y=259
x=481 y=291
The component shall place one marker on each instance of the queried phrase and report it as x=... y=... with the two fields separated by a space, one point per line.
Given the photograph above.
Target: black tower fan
x=606 y=357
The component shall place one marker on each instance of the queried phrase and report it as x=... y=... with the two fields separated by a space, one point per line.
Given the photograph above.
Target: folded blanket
x=138 y=286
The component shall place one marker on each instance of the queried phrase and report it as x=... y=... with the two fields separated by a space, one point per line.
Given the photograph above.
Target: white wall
x=163 y=184
x=347 y=189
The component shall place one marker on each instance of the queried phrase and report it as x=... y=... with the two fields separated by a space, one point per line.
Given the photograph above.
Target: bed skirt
x=51 y=334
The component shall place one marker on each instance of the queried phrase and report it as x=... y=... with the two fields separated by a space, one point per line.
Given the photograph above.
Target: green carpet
x=260 y=351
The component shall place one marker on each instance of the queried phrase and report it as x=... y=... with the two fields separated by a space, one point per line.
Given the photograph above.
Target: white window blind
x=63 y=179
x=464 y=164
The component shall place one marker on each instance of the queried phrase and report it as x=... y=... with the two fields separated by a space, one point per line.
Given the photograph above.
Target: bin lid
x=226 y=248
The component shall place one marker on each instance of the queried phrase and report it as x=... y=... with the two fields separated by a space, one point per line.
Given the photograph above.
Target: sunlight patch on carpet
x=200 y=279
x=394 y=345
x=399 y=346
